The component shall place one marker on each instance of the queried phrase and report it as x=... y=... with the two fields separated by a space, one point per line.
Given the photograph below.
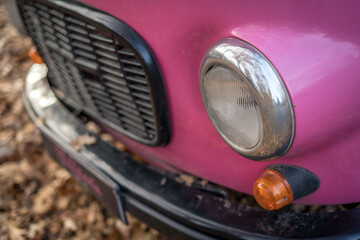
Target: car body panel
x=314 y=46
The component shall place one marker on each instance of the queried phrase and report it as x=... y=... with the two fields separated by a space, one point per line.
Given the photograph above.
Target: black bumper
x=178 y=211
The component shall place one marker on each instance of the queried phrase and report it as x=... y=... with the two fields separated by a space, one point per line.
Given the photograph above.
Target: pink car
x=257 y=97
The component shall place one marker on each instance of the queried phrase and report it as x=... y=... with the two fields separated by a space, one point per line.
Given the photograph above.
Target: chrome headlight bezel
x=264 y=83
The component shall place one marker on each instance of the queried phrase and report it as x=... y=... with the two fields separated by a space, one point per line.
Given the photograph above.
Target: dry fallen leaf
x=45 y=198
x=93 y=127
x=187 y=179
x=62 y=202
x=69 y=225
x=203 y=182
x=82 y=140
x=145 y=235
x=123 y=229
x=138 y=158
x=93 y=212
x=106 y=137
x=55 y=226
x=120 y=146
x=15 y=233
x=10 y=174
x=36 y=229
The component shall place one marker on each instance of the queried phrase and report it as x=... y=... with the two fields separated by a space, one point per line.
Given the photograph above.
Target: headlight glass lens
x=231 y=107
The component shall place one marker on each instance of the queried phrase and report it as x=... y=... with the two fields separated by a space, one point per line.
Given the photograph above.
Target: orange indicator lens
x=34 y=55
x=272 y=191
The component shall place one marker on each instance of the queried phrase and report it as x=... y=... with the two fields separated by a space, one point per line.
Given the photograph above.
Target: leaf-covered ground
x=38 y=198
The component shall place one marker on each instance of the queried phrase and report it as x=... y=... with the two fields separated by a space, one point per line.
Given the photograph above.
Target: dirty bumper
x=182 y=212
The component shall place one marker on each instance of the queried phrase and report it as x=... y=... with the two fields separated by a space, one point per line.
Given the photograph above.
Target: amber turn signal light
x=272 y=191
x=34 y=55
x=280 y=184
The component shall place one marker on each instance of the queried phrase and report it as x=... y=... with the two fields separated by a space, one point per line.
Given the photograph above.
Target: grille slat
x=131 y=62
x=48 y=30
x=114 y=79
x=139 y=87
x=126 y=52
x=58 y=21
x=141 y=95
x=114 y=120
x=44 y=14
x=85 y=54
x=100 y=38
x=112 y=71
x=75 y=21
x=129 y=110
x=63 y=38
x=86 y=47
x=80 y=38
x=117 y=87
x=56 y=13
x=135 y=130
x=94 y=67
x=111 y=56
x=137 y=79
x=111 y=64
x=130 y=116
x=125 y=96
x=104 y=46
x=124 y=102
x=139 y=126
x=77 y=29
x=100 y=94
x=94 y=84
x=46 y=21
x=50 y=35
x=60 y=29
x=143 y=103
x=106 y=105
x=134 y=70
x=146 y=111
x=86 y=63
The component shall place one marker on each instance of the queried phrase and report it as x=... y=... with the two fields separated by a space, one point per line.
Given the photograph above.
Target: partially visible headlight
x=246 y=100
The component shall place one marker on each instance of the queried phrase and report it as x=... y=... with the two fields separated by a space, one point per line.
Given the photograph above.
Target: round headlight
x=246 y=100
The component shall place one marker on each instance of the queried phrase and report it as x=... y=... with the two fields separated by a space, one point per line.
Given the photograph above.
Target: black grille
x=99 y=65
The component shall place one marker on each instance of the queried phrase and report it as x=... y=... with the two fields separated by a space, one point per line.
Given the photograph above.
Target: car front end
x=253 y=97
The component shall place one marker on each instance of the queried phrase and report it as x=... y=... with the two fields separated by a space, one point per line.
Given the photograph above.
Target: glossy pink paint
x=315 y=46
